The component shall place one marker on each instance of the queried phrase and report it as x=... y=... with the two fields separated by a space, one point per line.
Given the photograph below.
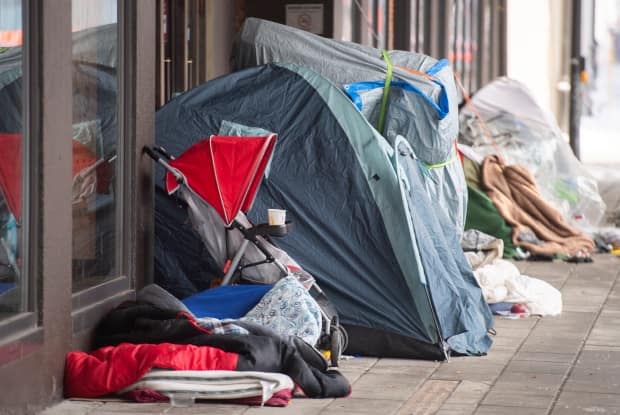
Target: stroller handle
x=151 y=153
x=157 y=152
x=161 y=156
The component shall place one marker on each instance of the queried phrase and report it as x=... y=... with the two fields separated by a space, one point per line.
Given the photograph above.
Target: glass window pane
x=95 y=141
x=13 y=288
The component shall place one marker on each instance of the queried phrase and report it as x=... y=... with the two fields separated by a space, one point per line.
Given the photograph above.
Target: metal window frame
x=134 y=204
x=123 y=166
x=178 y=14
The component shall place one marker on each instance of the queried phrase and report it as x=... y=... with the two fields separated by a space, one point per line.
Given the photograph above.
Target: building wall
x=54 y=317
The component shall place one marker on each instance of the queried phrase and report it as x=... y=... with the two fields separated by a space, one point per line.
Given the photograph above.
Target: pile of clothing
x=155 y=349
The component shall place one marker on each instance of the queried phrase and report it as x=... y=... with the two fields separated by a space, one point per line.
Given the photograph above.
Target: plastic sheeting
x=608 y=180
x=526 y=134
x=422 y=99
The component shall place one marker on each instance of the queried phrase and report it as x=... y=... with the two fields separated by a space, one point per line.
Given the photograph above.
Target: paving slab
x=467 y=393
x=457 y=409
x=519 y=399
x=208 y=408
x=124 y=408
x=606 y=331
x=393 y=386
x=73 y=408
x=530 y=366
x=299 y=406
x=510 y=324
x=362 y=406
x=498 y=355
x=572 y=402
x=469 y=370
x=418 y=368
x=528 y=383
x=429 y=398
x=545 y=356
x=508 y=410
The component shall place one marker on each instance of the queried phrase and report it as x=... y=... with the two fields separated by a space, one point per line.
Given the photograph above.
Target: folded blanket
x=214 y=385
x=536 y=225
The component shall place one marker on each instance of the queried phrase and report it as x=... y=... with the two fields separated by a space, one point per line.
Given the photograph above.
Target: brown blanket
x=513 y=191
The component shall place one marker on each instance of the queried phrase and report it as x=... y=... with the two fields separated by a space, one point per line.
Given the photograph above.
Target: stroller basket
x=219 y=177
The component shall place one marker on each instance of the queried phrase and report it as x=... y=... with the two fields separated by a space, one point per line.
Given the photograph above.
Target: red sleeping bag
x=112 y=368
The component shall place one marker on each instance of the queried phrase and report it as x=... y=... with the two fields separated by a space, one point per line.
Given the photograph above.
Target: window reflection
x=13 y=287
x=95 y=138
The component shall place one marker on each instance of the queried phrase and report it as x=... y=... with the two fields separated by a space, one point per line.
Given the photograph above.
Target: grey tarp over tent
x=422 y=99
x=398 y=292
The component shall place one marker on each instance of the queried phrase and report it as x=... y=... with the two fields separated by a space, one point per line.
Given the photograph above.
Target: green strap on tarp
x=386 y=91
x=441 y=164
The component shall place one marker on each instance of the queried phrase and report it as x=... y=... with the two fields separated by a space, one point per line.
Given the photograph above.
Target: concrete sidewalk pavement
x=554 y=365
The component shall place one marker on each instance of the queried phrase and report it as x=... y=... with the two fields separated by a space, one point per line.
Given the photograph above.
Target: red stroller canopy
x=224 y=171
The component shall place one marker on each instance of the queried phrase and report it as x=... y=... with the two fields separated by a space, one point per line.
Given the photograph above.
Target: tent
x=526 y=134
x=421 y=104
x=363 y=225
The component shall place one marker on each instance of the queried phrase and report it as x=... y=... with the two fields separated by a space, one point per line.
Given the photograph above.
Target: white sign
x=307 y=17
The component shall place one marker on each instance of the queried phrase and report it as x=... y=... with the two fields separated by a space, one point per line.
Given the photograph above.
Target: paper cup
x=276 y=216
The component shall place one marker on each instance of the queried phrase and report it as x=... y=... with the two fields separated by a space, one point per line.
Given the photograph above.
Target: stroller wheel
x=335 y=351
x=335 y=337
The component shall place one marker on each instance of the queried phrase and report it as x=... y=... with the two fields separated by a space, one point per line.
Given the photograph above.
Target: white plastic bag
x=501 y=281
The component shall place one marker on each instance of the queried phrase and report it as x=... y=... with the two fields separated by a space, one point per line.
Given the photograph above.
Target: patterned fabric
x=216 y=326
x=288 y=309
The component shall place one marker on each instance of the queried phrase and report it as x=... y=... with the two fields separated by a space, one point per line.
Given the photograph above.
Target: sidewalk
x=559 y=366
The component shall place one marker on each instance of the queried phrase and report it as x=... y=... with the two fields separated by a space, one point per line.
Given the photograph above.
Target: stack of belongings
x=157 y=349
x=607 y=239
x=516 y=155
x=507 y=291
x=365 y=227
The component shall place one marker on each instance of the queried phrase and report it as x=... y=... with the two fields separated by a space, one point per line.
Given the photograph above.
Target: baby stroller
x=218 y=179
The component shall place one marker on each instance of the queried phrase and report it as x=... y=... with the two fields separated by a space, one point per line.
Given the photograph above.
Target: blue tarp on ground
x=338 y=180
x=228 y=301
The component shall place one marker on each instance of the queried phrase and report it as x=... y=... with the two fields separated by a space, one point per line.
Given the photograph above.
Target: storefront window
x=13 y=286
x=95 y=142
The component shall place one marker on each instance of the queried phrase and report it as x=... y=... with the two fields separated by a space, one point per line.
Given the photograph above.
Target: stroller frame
x=333 y=337
x=250 y=235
